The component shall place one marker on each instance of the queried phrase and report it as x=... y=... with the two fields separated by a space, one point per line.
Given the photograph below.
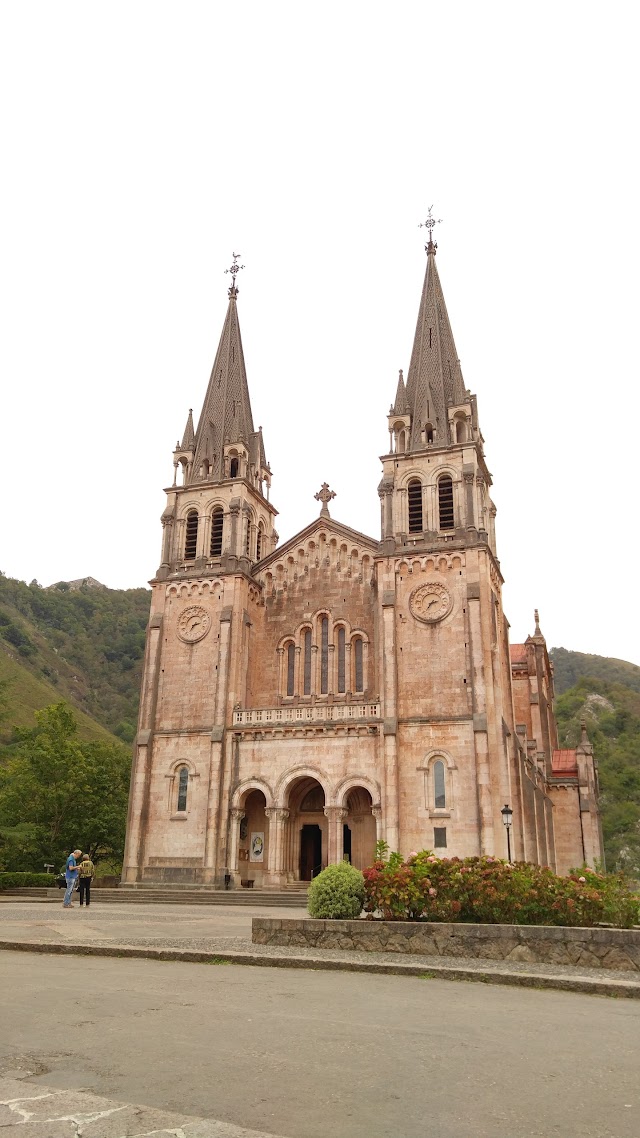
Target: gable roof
x=322 y=524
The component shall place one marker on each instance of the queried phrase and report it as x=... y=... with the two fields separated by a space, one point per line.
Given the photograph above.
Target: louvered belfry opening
x=217 y=520
x=415 y=506
x=191 y=536
x=445 y=502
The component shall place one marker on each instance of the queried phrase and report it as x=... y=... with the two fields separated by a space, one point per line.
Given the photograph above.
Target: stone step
x=234 y=897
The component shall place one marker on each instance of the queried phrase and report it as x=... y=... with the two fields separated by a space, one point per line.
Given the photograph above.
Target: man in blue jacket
x=70 y=876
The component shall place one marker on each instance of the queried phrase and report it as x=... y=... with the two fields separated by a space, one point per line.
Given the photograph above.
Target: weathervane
x=324 y=495
x=429 y=224
x=234 y=270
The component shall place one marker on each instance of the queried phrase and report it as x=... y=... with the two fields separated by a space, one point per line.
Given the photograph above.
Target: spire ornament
x=325 y=495
x=429 y=225
x=234 y=270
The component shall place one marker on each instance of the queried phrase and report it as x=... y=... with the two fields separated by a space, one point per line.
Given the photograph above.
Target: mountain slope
x=26 y=693
x=570 y=666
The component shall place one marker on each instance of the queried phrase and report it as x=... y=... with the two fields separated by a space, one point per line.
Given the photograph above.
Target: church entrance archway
x=305 y=851
x=253 y=849
x=359 y=828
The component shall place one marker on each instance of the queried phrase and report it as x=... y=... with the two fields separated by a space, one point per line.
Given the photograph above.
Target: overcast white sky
x=142 y=143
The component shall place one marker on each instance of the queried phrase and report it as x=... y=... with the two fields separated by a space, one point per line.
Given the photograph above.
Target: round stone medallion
x=194 y=623
x=430 y=602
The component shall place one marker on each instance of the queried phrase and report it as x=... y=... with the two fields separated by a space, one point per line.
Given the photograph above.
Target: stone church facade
x=302 y=701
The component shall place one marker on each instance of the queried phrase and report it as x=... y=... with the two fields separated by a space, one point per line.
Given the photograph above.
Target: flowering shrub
x=486 y=890
x=337 y=893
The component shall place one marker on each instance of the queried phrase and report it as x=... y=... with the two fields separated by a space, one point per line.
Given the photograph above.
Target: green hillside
x=570 y=666
x=25 y=693
x=85 y=643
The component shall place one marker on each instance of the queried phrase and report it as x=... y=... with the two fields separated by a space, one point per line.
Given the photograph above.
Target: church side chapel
x=302 y=701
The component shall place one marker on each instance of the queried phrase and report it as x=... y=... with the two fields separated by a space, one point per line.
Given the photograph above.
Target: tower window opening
x=429 y=433
x=341 y=661
x=445 y=502
x=217 y=520
x=401 y=442
x=324 y=655
x=183 y=783
x=415 y=506
x=439 y=837
x=307 y=661
x=358 y=668
x=291 y=665
x=461 y=431
x=233 y=468
x=259 y=542
x=191 y=536
x=247 y=539
x=439 y=794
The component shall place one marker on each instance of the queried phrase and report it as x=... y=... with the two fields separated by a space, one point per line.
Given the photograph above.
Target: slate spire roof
x=435 y=377
x=400 y=406
x=189 y=435
x=226 y=413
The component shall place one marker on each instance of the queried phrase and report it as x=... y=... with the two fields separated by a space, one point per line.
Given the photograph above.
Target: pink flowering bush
x=489 y=891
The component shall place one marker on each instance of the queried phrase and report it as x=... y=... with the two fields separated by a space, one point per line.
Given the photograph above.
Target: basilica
x=302 y=701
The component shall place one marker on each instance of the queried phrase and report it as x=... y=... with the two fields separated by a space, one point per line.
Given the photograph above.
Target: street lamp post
x=507 y=818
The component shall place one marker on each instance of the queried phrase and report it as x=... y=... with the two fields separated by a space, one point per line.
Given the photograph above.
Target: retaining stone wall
x=596 y=948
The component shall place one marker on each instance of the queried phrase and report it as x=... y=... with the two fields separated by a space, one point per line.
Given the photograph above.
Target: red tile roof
x=564 y=762
x=518 y=653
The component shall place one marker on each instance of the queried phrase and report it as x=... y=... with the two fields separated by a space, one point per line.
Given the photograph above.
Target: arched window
x=357 y=664
x=461 y=431
x=429 y=433
x=260 y=542
x=307 y=661
x=217 y=520
x=233 y=468
x=445 y=502
x=341 y=661
x=291 y=668
x=401 y=442
x=183 y=782
x=247 y=538
x=191 y=536
x=415 y=506
x=324 y=655
x=439 y=794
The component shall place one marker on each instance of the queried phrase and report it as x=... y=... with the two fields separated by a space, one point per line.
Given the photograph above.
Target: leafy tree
x=58 y=793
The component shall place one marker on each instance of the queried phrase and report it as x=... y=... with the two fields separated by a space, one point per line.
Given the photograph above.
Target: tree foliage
x=58 y=793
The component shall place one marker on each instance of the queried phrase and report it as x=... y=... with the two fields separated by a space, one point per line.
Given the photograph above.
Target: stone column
x=234 y=835
x=336 y=816
x=275 y=862
x=377 y=813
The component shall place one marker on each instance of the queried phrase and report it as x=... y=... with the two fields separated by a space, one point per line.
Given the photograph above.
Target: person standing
x=70 y=876
x=86 y=872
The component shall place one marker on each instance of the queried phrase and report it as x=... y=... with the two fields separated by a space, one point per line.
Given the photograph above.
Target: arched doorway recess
x=306 y=845
x=359 y=828
x=253 y=838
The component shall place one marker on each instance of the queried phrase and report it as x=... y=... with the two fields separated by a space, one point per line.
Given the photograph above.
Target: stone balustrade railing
x=310 y=713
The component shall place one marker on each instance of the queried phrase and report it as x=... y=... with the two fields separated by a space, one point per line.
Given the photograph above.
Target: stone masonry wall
x=617 y=949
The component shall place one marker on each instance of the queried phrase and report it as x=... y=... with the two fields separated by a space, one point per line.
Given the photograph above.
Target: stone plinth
x=541 y=944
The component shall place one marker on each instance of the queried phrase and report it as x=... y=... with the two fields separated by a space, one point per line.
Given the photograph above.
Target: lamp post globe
x=507 y=818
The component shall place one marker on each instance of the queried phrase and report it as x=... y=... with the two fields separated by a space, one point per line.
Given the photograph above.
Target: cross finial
x=429 y=224
x=234 y=270
x=325 y=495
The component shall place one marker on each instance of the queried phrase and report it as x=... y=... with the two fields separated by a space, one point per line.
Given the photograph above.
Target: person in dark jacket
x=86 y=872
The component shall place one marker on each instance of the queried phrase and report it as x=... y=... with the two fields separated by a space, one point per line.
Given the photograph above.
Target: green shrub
x=485 y=890
x=337 y=893
x=21 y=880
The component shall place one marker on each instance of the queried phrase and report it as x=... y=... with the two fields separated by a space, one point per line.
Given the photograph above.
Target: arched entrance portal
x=305 y=852
x=253 y=844
x=359 y=828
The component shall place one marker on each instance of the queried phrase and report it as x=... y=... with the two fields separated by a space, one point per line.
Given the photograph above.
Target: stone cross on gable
x=324 y=495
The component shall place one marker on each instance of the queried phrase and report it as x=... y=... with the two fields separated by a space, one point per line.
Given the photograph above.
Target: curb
x=585 y=985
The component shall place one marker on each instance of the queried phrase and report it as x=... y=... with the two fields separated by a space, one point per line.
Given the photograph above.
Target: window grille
x=415 y=506
x=191 y=537
x=439 y=837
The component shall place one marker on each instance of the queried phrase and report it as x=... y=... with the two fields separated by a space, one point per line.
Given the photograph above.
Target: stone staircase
x=197 y=895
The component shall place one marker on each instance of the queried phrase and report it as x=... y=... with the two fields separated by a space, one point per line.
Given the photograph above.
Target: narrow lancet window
x=445 y=502
x=183 y=782
x=324 y=655
x=291 y=668
x=415 y=506
x=307 y=661
x=260 y=542
x=217 y=520
x=358 y=668
x=341 y=661
x=191 y=536
x=233 y=468
x=439 y=795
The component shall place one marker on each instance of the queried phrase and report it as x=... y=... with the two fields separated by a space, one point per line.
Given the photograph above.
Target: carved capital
x=376 y=811
x=236 y=814
x=468 y=476
x=335 y=813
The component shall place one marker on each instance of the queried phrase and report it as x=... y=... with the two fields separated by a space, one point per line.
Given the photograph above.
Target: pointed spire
x=188 y=438
x=226 y=413
x=400 y=405
x=536 y=617
x=435 y=378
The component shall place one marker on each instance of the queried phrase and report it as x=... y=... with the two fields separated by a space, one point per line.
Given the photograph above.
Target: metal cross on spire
x=324 y=495
x=234 y=270
x=429 y=224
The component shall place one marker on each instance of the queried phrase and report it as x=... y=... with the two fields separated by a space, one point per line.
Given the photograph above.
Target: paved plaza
x=306 y=1054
